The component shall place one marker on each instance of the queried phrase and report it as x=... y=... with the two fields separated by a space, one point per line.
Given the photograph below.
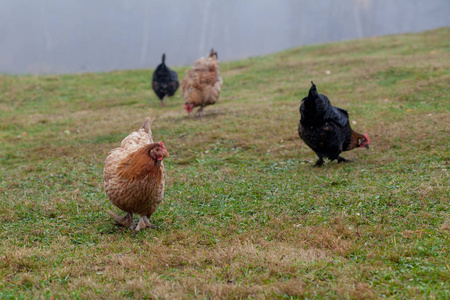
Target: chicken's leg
x=319 y=162
x=126 y=221
x=199 y=112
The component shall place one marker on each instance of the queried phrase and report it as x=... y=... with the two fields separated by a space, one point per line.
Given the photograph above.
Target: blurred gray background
x=69 y=36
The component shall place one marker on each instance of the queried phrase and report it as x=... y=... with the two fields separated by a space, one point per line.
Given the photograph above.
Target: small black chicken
x=164 y=81
x=326 y=129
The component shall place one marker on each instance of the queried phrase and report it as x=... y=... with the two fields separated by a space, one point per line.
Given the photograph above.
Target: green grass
x=245 y=215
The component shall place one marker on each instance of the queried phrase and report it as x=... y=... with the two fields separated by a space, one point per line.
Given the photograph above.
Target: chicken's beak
x=162 y=154
x=367 y=146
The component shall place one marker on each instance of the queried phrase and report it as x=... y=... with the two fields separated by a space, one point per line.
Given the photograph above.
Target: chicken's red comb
x=162 y=145
x=367 y=137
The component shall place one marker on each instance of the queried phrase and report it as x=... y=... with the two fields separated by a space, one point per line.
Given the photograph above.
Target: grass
x=245 y=215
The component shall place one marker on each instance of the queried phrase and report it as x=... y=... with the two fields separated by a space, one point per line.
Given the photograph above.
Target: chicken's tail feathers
x=313 y=91
x=163 y=59
x=146 y=125
x=213 y=53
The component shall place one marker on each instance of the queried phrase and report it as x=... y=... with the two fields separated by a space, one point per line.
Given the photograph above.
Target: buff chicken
x=202 y=84
x=134 y=177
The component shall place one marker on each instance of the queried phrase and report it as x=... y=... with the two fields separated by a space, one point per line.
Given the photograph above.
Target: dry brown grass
x=245 y=215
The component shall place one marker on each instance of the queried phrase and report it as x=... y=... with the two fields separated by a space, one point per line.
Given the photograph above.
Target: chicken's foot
x=144 y=223
x=319 y=162
x=341 y=159
x=126 y=221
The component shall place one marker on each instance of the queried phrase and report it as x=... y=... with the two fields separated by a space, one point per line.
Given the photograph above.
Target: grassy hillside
x=245 y=215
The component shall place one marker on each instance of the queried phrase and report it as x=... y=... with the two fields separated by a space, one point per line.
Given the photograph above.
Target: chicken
x=326 y=129
x=134 y=177
x=164 y=82
x=202 y=84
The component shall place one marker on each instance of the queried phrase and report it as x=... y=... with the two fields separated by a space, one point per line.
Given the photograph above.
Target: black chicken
x=164 y=81
x=326 y=129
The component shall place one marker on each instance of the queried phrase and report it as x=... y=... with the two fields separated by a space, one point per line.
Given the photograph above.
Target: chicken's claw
x=341 y=159
x=126 y=221
x=143 y=223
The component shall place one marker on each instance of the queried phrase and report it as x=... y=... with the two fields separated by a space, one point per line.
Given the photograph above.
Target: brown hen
x=134 y=177
x=202 y=84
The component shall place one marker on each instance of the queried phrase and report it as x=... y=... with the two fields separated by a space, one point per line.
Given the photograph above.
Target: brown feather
x=354 y=140
x=202 y=84
x=134 y=176
x=139 y=164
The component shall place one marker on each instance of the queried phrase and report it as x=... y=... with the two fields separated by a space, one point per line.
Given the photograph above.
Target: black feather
x=323 y=127
x=164 y=80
